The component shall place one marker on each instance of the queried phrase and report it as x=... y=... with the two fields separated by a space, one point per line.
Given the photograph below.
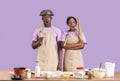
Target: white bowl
x=99 y=73
x=80 y=74
x=50 y=73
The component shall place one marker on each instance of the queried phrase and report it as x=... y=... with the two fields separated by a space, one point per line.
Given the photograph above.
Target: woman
x=72 y=43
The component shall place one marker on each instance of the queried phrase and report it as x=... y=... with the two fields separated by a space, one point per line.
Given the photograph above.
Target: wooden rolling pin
x=79 y=29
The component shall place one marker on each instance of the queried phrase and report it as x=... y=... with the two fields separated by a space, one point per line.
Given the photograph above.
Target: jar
x=28 y=73
x=79 y=73
x=86 y=73
x=90 y=74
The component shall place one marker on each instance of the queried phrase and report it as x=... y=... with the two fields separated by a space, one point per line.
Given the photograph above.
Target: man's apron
x=72 y=58
x=47 y=54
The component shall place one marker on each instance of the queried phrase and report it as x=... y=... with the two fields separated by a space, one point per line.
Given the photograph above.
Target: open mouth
x=46 y=22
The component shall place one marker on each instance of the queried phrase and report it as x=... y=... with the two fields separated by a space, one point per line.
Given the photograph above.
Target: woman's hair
x=71 y=17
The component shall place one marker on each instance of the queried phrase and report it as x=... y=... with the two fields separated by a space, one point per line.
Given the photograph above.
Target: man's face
x=47 y=19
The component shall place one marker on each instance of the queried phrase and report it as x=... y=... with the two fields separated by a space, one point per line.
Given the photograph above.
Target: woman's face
x=72 y=23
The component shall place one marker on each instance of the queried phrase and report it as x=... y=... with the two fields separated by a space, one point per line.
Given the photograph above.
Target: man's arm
x=36 y=44
x=60 y=55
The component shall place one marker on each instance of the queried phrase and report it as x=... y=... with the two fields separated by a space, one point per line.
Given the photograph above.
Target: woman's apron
x=47 y=54
x=72 y=58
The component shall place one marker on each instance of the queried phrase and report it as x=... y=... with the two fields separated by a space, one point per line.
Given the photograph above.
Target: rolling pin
x=79 y=29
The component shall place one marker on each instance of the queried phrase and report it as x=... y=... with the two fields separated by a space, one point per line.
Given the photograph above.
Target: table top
x=6 y=76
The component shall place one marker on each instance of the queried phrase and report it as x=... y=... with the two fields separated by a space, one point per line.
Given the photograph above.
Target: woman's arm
x=73 y=46
x=81 y=46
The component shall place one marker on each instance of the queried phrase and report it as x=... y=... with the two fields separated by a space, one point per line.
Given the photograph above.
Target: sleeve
x=35 y=36
x=84 y=38
x=63 y=36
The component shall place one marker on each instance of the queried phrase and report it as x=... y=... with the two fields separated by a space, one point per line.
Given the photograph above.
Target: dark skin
x=35 y=44
x=72 y=46
x=47 y=23
x=60 y=55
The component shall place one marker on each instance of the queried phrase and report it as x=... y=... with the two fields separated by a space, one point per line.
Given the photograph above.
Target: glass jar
x=28 y=73
x=79 y=73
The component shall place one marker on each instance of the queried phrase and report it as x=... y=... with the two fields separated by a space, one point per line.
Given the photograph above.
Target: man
x=47 y=38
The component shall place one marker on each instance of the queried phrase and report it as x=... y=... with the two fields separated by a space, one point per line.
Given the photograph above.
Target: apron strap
x=76 y=32
x=42 y=30
x=52 y=30
x=66 y=38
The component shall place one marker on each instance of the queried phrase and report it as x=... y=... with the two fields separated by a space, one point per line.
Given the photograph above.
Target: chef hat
x=46 y=12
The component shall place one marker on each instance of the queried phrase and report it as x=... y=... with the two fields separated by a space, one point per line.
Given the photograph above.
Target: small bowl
x=99 y=73
x=19 y=70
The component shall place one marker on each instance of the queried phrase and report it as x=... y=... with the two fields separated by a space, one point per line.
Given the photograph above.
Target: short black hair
x=71 y=17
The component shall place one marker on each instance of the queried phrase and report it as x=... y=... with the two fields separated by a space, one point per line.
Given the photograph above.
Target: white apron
x=47 y=54
x=72 y=58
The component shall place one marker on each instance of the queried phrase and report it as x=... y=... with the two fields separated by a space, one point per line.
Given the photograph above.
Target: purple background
x=100 y=21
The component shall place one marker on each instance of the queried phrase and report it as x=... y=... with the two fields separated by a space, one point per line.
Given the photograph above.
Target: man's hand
x=36 y=44
x=59 y=66
x=40 y=41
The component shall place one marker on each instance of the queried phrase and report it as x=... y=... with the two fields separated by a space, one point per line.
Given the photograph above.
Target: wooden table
x=5 y=76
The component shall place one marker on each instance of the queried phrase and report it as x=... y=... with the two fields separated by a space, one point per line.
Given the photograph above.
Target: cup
x=110 y=69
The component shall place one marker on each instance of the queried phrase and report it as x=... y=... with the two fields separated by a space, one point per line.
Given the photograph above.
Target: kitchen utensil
x=19 y=70
x=110 y=67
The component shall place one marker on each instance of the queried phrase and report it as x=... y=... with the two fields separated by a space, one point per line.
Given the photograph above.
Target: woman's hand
x=81 y=44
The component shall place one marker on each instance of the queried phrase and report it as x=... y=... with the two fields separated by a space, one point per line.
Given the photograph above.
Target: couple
x=49 y=40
